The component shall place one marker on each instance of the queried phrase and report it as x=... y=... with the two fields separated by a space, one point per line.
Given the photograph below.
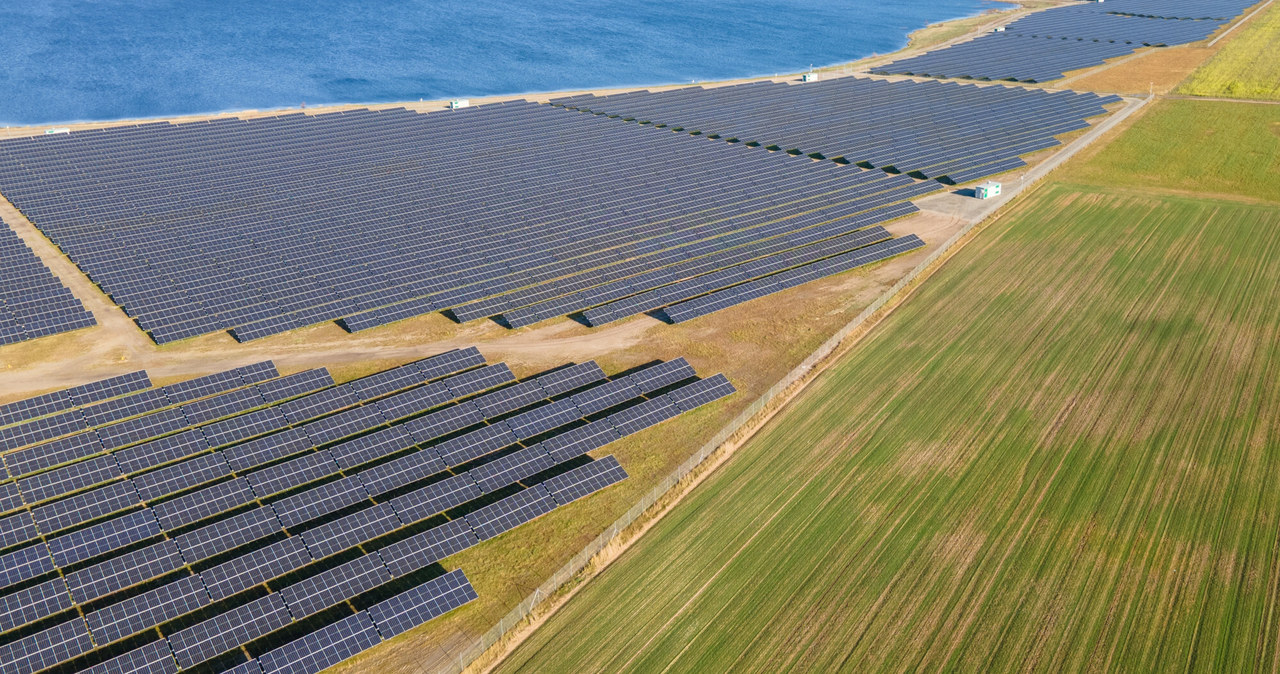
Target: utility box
x=998 y=29
x=809 y=77
x=459 y=103
x=987 y=190
x=57 y=130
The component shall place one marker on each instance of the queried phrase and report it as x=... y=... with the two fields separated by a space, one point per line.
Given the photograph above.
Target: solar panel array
x=261 y=226
x=1042 y=46
x=33 y=302
x=517 y=211
x=355 y=493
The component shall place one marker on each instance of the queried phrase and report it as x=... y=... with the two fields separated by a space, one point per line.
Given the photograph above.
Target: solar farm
x=261 y=226
x=148 y=528
x=1043 y=46
x=397 y=387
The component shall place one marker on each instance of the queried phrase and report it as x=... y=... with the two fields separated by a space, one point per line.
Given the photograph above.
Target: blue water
x=73 y=60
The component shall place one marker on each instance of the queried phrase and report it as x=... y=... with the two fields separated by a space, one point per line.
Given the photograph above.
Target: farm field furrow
x=1061 y=461
x=1246 y=66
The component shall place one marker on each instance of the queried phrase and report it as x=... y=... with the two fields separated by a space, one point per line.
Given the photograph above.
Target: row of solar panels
x=33 y=302
x=866 y=121
x=261 y=226
x=1045 y=45
x=411 y=471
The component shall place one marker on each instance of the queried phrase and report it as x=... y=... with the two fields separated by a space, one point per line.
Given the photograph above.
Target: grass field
x=1060 y=460
x=1193 y=147
x=1064 y=460
x=1246 y=66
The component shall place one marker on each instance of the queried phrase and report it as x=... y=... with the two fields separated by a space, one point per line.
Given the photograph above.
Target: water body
x=78 y=60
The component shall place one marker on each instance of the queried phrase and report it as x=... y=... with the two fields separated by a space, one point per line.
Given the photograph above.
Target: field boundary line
x=1239 y=23
x=494 y=645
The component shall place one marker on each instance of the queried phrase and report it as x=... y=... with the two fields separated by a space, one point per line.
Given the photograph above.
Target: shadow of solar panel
x=227 y=631
x=427 y=601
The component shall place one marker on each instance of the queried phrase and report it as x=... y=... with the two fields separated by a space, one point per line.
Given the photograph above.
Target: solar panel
x=181 y=476
x=431 y=426
x=16 y=529
x=202 y=504
x=102 y=538
x=147 y=610
x=37 y=406
x=154 y=658
x=421 y=550
x=335 y=585
x=510 y=512
x=293 y=385
x=371 y=447
x=510 y=469
x=639 y=417
x=118 y=573
x=84 y=507
x=117 y=409
x=43 y=650
x=227 y=631
x=51 y=454
x=429 y=600
x=399 y=472
x=250 y=667
x=579 y=441
x=33 y=603
x=317 y=404
x=351 y=530
x=323 y=648
x=55 y=483
x=266 y=449
x=160 y=451
x=227 y=534
x=436 y=497
x=319 y=501
x=292 y=473
x=136 y=430
x=344 y=424
x=700 y=393
x=475 y=444
x=254 y=568
x=586 y=479
x=222 y=405
x=449 y=362
x=109 y=388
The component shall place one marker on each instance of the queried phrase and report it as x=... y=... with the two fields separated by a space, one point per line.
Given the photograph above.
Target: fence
x=766 y=400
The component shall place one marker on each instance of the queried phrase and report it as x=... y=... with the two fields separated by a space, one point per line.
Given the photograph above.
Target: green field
x=1246 y=67
x=1060 y=454
x=1194 y=147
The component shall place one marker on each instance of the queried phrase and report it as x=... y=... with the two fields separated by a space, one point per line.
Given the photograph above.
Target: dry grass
x=1247 y=66
x=1155 y=71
